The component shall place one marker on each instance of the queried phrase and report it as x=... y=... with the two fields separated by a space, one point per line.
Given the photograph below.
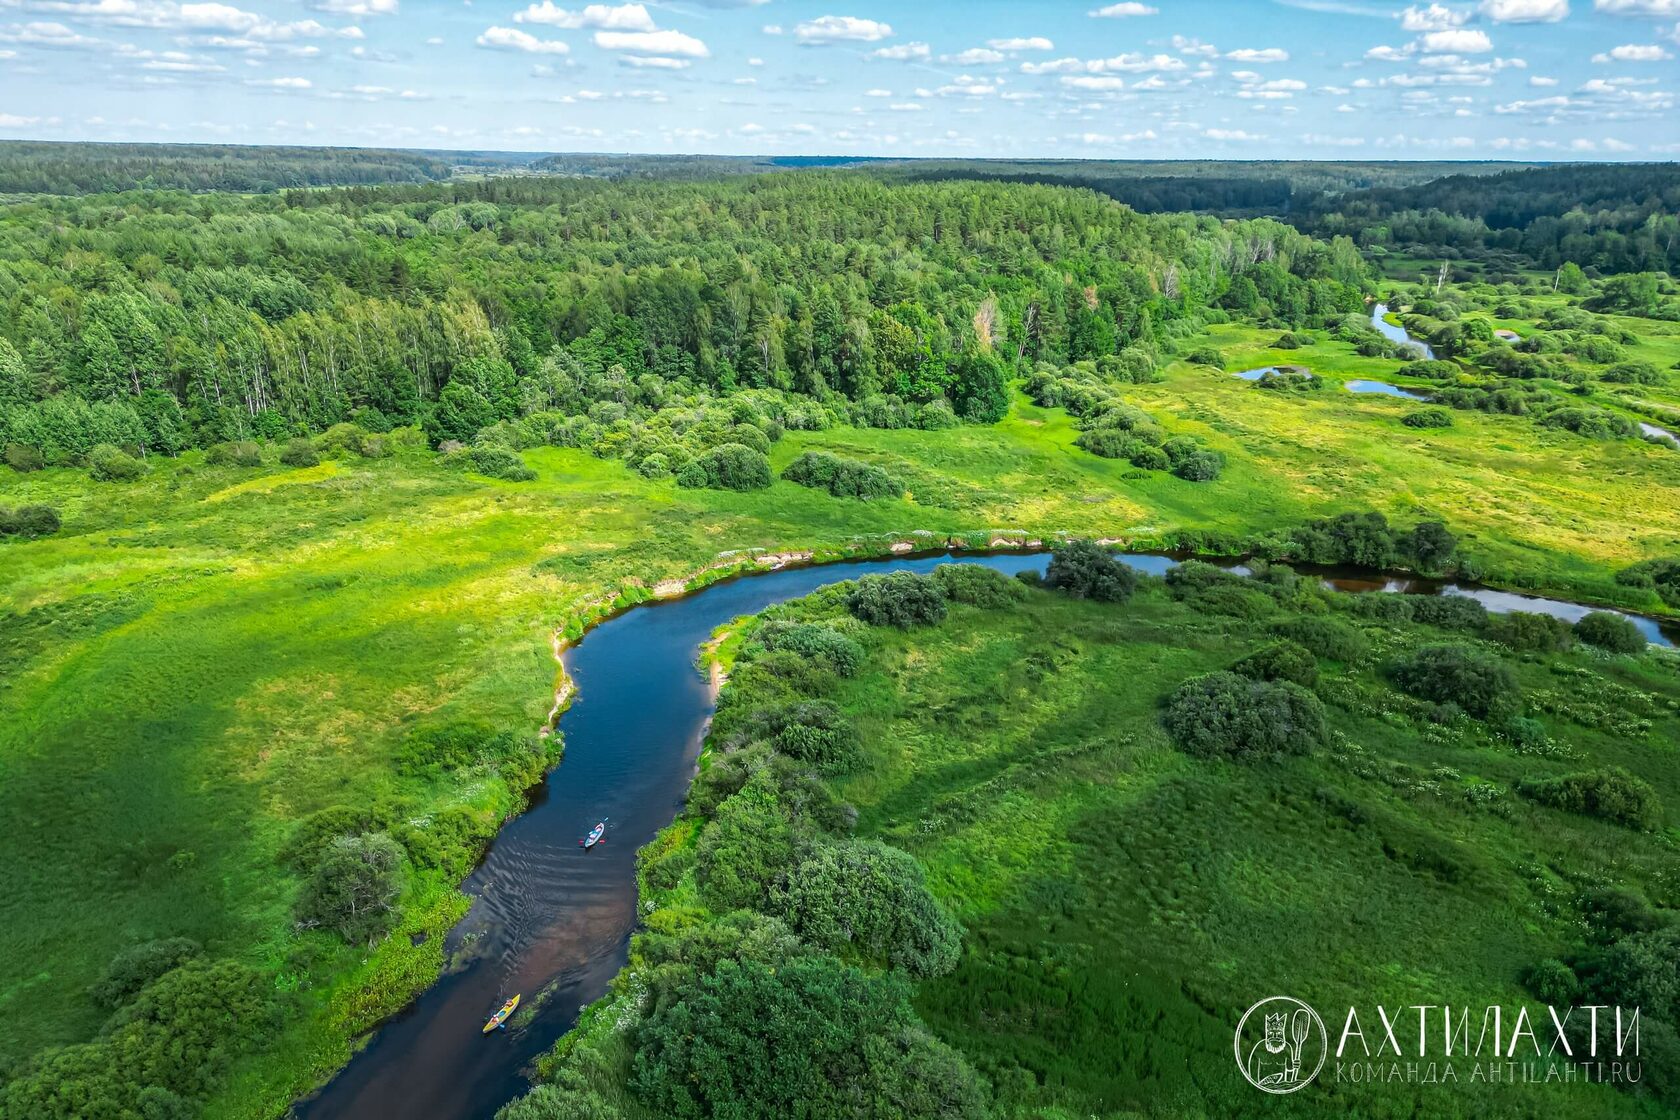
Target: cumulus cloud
x=1634 y=52
x=1658 y=8
x=1123 y=11
x=623 y=17
x=354 y=7
x=1436 y=17
x=667 y=43
x=1525 y=11
x=903 y=52
x=1391 y=54
x=513 y=39
x=1095 y=82
x=280 y=83
x=1250 y=54
x=1031 y=43
x=1459 y=40
x=836 y=29
x=974 y=56
x=1230 y=134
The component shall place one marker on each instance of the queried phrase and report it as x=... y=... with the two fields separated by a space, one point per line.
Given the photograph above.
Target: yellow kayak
x=500 y=1018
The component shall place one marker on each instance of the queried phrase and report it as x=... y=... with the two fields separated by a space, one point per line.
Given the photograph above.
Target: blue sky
x=1179 y=79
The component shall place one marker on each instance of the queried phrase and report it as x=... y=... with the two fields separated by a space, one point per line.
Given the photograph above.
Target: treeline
x=49 y=167
x=1610 y=217
x=161 y=321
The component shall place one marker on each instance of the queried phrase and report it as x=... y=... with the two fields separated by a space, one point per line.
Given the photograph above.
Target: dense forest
x=159 y=321
x=48 y=167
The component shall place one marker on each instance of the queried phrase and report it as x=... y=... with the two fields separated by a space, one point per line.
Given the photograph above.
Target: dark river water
x=549 y=917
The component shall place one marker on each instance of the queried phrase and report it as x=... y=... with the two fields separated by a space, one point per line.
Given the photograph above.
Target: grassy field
x=201 y=658
x=1124 y=901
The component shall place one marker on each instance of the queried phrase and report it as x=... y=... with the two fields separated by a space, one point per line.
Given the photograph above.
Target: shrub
x=1477 y=682
x=1610 y=631
x=1633 y=373
x=239 y=453
x=1148 y=457
x=299 y=453
x=135 y=967
x=1661 y=576
x=730 y=466
x=455 y=746
x=1325 y=637
x=23 y=458
x=844 y=478
x=840 y=654
x=1202 y=466
x=813 y=1038
x=555 y=1102
x=499 y=462
x=1289 y=340
x=29 y=522
x=353 y=889
x=1451 y=612
x=111 y=464
x=1641 y=970
x=978 y=585
x=901 y=599
x=1087 y=570
x=1206 y=356
x=1285 y=661
x=654 y=466
x=871 y=899
x=1223 y=714
x=1611 y=794
x=813 y=731
x=1428 y=418
x=748 y=846
x=1553 y=982
x=1526 y=631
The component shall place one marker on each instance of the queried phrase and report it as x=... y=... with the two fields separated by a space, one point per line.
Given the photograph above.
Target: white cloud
x=623 y=17
x=974 y=56
x=656 y=62
x=904 y=52
x=905 y=107
x=1123 y=11
x=877 y=93
x=1541 y=83
x=1250 y=54
x=1230 y=134
x=1634 y=52
x=281 y=83
x=1194 y=47
x=1461 y=40
x=1436 y=17
x=652 y=43
x=836 y=29
x=1136 y=64
x=1525 y=11
x=513 y=39
x=1034 y=43
x=1659 y=8
x=1093 y=82
x=1391 y=54
x=12 y=120
x=1055 y=66
x=357 y=7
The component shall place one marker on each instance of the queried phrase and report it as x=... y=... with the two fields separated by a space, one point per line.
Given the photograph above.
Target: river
x=549 y=917
x=1397 y=334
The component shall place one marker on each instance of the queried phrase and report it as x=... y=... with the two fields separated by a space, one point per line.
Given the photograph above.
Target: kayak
x=595 y=835
x=500 y=1018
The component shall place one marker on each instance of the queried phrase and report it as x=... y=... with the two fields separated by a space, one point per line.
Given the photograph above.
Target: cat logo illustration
x=1281 y=1044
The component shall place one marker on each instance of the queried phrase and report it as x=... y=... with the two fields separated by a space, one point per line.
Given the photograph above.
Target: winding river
x=548 y=917
x=1397 y=334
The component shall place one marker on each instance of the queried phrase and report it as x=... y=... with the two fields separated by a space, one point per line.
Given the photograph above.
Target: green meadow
x=1123 y=899
x=202 y=658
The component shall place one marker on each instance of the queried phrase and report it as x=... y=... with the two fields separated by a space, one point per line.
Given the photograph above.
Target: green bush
x=28 y=522
x=839 y=654
x=1450 y=612
x=901 y=599
x=554 y=1102
x=1087 y=570
x=449 y=747
x=730 y=466
x=353 y=889
x=135 y=967
x=1428 y=418
x=863 y=897
x=1477 y=682
x=1641 y=970
x=1526 y=631
x=1553 y=982
x=813 y=1038
x=1661 y=576
x=813 y=731
x=23 y=458
x=1610 y=794
x=1206 y=356
x=844 y=478
x=1285 y=661
x=299 y=453
x=978 y=585
x=493 y=462
x=1226 y=715
x=239 y=453
x=1610 y=631
x=1328 y=638
x=112 y=464
x=750 y=843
